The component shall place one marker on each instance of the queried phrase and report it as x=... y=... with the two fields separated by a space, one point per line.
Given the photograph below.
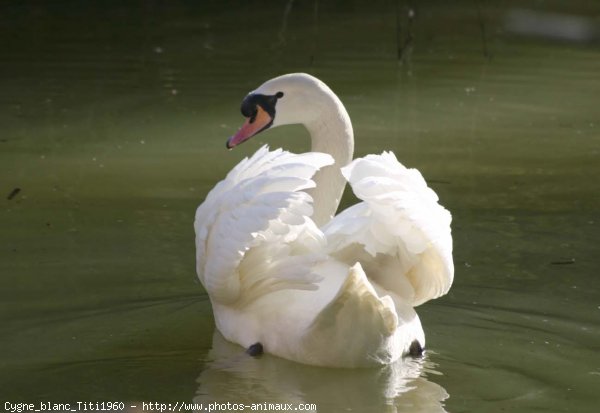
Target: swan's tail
x=353 y=326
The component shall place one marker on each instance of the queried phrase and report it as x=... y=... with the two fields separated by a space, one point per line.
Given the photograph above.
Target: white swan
x=284 y=275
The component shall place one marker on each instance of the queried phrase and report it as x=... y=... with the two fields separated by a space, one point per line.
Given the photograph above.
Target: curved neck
x=331 y=132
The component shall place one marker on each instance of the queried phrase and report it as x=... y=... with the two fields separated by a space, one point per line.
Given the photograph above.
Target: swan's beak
x=251 y=127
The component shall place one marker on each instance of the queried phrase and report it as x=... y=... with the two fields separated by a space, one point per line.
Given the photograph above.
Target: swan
x=287 y=276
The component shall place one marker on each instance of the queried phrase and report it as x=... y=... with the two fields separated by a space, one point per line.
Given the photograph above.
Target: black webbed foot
x=255 y=350
x=415 y=349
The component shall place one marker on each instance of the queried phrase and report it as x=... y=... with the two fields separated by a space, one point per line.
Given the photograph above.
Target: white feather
x=401 y=226
x=258 y=206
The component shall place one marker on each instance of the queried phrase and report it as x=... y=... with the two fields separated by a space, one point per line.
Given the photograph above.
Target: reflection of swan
x=229 y=375
x=342 y=295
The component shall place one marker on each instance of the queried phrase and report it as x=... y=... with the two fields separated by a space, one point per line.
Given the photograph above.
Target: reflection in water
x=230 y=375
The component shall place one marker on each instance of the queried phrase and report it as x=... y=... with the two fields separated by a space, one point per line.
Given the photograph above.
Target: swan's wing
x=399 y=233
x=254 y=233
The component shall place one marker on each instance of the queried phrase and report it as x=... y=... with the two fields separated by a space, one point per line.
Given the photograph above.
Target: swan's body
x=280 y=270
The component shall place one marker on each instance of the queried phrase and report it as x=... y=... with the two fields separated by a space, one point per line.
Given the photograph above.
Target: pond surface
x=114 y=120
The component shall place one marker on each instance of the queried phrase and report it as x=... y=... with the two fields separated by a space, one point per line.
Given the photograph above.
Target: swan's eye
x=279 y=95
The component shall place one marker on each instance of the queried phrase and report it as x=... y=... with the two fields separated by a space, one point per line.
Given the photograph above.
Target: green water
x=113 y=122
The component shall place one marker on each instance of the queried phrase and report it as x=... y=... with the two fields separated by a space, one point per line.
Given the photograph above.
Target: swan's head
x=284 y=100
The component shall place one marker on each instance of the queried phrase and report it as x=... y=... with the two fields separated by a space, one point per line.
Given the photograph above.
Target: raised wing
x=399 y=233
x=254 y=233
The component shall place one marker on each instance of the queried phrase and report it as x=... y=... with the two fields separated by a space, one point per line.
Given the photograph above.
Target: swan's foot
x=415 y=349
x=255 y=350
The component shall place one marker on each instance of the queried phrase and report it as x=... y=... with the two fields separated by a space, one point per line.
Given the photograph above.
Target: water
x=114 y=119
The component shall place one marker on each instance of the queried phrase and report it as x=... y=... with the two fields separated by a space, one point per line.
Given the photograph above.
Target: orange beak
x=251 y=127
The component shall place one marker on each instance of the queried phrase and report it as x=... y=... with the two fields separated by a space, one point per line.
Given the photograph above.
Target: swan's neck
x=331 y=132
